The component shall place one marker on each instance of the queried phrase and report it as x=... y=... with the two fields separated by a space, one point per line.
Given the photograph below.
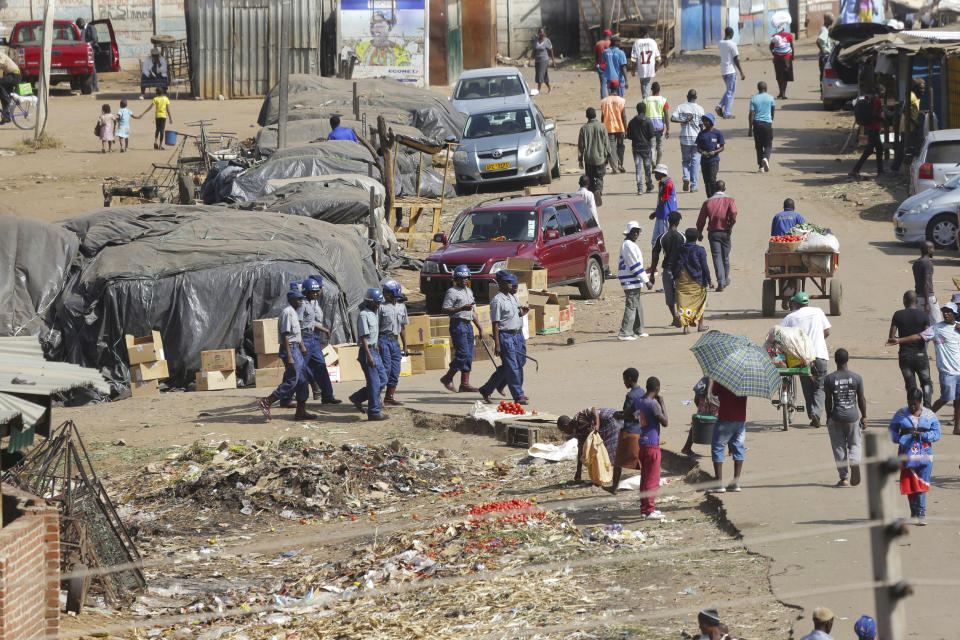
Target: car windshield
x=499 y=123
x=496 y=226
x=491 y=87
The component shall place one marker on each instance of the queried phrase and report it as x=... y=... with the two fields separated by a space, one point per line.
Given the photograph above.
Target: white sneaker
x=644 y=335
x=765 y=164
x=717 y=490
x=655 y=515
x=921 y=521
x=625 y=338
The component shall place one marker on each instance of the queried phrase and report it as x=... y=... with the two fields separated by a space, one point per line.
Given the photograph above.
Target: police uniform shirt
x=289 y=323
x=505 y=309
x=457 y=297
x=367 y=325
x=310 y=315
x=392 y=317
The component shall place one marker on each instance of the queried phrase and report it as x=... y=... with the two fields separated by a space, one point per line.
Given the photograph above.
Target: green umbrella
x=737 y=363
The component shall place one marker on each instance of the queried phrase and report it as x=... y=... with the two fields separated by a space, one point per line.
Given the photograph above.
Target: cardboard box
x=418 y=364
x=437 y=356
x=548 y=297
x=330 y=355
x=418 y=331
x=149 y=371
x=526 y=326
x=266 y=338
x=350 y=369
x=145 y=349
x=216 y=380
x=268 y=378
x=144 y=388
x=439 y=326
x=483 y=318
x=566 y=317
x=523 y=294
x=218 y=360
x=547 y=317
x=405 y=366
x=528 y=273
x=269 y=361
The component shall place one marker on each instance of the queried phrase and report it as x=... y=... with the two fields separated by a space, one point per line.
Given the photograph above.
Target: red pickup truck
x=73 y=60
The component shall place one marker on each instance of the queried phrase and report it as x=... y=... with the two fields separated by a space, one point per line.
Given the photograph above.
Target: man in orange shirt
x=613 y=116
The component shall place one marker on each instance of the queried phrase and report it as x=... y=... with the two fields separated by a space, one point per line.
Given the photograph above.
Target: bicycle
x=787 y=401
x=22 y=110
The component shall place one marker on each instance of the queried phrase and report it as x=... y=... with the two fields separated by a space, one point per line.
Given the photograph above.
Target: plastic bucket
x=170 y=138
x=703 y=428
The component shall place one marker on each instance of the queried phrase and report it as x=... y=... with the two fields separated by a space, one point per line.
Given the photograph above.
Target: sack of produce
x=792 y=342
x=817 y=262
x=596 y=460
x=819 y=243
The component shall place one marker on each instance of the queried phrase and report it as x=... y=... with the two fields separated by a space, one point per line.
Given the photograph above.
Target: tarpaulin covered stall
x=315 y=129
x=200 y=276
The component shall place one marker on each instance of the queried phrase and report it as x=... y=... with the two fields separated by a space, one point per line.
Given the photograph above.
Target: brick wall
x=29 y=568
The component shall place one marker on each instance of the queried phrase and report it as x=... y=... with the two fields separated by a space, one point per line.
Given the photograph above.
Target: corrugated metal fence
x=234 y=44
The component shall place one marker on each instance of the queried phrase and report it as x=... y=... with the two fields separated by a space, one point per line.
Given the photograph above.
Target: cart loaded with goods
x=807 y=253
x=792 y=353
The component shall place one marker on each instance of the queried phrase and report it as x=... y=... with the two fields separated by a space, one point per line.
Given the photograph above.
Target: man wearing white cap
x=632 y=278
x=666 y=202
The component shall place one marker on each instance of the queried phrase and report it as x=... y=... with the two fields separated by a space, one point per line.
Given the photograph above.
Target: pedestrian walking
x=460 y=305
x=823 y=42
x=946 y=344
x=657 y=110
x=368 y=334
x=587 y=195
x=598 y=48
x=613 y=114
x=710 y=144
x=583 y=423
x=865 y=627
x=542 y=58
x=593 y=149
x=310 y=315
x=914 y=428
x=813 y=322
x=641 y=135
x=292 y=351
x=646 y=55
x=923 y=281
x=846 y=407
x=912 y=356
x=911 y=133
x=689 y=115
x=393 y=319
x=729 y=431
x=729 y=68
x=614 y=67
x=639 y=443
x=105 y=127
x=632 y=278
x=822 y=625
x=781 y=46
x=666 y=201
x=88 y=34
x=506 y=315
x=668 y=243
x=760 y=125
x=873 y=127
x=123 y=126
x=719 y=213
x=691 y=278
x=786 y=220
x=162 y=114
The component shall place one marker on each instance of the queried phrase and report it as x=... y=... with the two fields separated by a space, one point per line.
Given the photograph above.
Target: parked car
x=937 y=162
x=839 y=81
x=479 y=89
x=557 y=231
x=930 y=215
x=507 y=143
x=73 y=60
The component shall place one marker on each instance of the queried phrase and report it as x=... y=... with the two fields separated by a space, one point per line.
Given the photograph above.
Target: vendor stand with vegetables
x=805 y=252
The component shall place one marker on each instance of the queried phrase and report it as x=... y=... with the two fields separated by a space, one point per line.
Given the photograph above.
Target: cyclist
x=9 y=79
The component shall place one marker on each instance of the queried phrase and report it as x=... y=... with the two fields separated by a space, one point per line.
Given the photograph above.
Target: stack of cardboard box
x=266 y=343
x=147 y=364
x=418 y=337
x=218 y=370
x=528 y=273
x=553 y=313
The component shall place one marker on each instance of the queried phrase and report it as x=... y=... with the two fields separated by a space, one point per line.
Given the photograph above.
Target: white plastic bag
x=819 y=243
x=793 y=341
x=554 y=453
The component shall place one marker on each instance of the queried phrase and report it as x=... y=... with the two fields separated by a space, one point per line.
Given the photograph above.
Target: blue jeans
x=294 y=377
x=513 y=355
x=376 y=378
x=728 y=432
x=726 y=102
x=390 y=355
x=690 y=161
x=720 y=249
x=461 y=334
x=918 y=504
x=315 y=368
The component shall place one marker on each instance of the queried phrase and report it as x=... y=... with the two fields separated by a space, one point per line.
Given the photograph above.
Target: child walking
x=106 y=123
x=123 y=126
x=161 y=107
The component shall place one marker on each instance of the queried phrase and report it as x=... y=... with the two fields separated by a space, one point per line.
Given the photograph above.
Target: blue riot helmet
x=462 y=272
x=318 y=279
x=373 y=295
x=309 y=285
x=503 y=275
x=391 y=285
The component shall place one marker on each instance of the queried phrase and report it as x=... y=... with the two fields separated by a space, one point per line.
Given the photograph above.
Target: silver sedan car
x=479 y=89
x=507 y=143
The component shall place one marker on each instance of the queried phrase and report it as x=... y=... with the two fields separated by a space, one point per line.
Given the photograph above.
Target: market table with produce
x=807 y=254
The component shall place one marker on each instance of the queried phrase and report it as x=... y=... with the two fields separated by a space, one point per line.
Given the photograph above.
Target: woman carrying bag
x=914 y=428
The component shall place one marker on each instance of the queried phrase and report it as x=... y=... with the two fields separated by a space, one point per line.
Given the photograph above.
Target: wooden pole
x=356 y=102
x=372 y=228
x=882 y=495
x=46 y=54
x=388 y=152
x=284 y=44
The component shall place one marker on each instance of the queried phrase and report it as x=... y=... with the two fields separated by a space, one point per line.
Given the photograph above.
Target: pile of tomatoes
x=787 y=238
x=510 y=407
x=499 y=506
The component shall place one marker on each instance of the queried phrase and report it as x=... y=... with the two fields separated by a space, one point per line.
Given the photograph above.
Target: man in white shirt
x=646 y=55
x=586 y=194
x=689 y=116
x=632 y=277
x=823 y=41
x=729 y=66
x=813 y=322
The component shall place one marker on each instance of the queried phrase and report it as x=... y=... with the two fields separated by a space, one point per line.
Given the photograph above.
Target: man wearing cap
x=153 y=69
x=813 y=322
x=310 y=314
x=865 y=628
x=601 y=45
x=719 y=213
x=292 y=350
x=613 y=115
x=710 y=144
x=460 y=305
x=368 y=335
x=593 y=149
x=666 y=202
x=506 y=316
x=822 y=624
x=632 y=278
x=614 y=62
x=646 y=55
x=689 y=116
x=946 y=343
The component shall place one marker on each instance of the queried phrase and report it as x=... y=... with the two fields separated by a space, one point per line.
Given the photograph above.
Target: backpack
x=863 y=111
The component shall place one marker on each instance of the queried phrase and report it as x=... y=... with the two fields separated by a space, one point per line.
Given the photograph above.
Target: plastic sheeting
x=200 y=276
x=316 y=97
x=35 y=258
x=313 y=129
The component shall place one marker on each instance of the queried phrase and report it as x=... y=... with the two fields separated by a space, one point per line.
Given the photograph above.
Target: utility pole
x=285 y=11
x=46 y=54
x=887 y=569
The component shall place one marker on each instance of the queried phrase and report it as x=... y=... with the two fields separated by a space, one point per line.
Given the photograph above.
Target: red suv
x=558 y=232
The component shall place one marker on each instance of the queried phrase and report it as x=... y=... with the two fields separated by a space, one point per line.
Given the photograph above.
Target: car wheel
x=546 y=177
x=592 y=285
x=831 y=105
x=86 y=85
x=461 y=191
x=942 y=231
x=556 y=168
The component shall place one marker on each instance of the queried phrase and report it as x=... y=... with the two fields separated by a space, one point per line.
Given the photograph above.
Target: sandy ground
x=789 y=510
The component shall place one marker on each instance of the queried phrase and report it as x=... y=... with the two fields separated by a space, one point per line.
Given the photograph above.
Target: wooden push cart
x=789 y=272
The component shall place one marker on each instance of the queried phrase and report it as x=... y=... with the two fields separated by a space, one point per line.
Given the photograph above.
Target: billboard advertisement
x=389 y=37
